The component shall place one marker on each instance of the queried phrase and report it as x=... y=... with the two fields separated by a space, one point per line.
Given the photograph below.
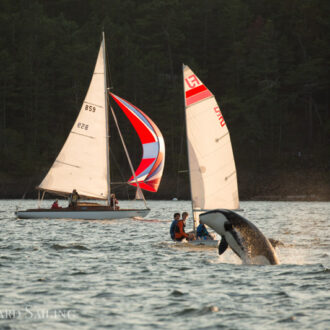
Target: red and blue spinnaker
x=150 y=170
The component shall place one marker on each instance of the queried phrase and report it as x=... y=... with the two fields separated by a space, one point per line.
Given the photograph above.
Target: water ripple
x=64 y=274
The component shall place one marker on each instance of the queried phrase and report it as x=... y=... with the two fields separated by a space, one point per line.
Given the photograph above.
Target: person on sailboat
x=202 y=233
x=184 y=218
x=114 y=202
x=73 y=199
x=179 y=232
x=173 y=225
x=55 y=205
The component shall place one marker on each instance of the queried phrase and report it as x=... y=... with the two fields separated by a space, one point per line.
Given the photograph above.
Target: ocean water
x=127 y=274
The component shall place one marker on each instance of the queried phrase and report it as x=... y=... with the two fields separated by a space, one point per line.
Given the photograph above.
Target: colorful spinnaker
x=150 y=170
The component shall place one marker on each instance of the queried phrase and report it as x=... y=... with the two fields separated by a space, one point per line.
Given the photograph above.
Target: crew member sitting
x=173 y=225
x=179 y=233
x=73 y=199
x=202 y=232
x=55 y=205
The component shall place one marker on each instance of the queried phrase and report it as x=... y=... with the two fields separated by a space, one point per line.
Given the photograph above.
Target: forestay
x=150 y=170
x=82 y=162
x=211 y=162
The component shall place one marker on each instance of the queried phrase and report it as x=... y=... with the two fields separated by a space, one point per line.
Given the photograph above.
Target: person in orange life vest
x=179 y=233
x=55 y=205
x=184 y=218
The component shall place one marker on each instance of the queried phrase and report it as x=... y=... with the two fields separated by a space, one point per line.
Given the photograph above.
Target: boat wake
x=149 y=220
x=187 y=246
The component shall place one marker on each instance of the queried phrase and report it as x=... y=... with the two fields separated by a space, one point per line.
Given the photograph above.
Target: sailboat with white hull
x=212 y=171
x=84 y=163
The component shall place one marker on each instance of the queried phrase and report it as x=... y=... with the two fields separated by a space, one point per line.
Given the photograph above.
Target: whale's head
x=217 y=220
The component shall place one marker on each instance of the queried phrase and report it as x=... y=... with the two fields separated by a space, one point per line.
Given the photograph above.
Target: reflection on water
x=128 y=274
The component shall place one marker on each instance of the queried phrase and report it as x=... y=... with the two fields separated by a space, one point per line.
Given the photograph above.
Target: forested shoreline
x=267 y=63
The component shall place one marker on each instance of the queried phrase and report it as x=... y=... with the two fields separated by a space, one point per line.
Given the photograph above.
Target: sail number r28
x=82 y=126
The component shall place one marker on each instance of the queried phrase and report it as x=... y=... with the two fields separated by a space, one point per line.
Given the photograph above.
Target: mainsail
x=150 y=170
x=211 y=162
x=82 y=162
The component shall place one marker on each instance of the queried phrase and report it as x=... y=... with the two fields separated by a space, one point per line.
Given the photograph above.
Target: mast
x=106 y=118
x=185 y=114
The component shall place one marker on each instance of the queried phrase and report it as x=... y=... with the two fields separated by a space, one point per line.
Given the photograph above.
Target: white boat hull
x=81 y=214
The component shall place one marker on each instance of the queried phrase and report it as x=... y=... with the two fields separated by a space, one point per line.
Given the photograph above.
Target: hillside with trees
x=267 y=62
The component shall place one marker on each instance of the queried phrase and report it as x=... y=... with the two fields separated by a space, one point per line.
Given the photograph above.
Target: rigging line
x=122 y=184
x=117 y=189
x=88 y=136
x=96 y=105
x=218 y=139
x=231 y=174
x=58 y=161
x=128 y=157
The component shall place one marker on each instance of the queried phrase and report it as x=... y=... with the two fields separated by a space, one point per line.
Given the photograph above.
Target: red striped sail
x=149 y=172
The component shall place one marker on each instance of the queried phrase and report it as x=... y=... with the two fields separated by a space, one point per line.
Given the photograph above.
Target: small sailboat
x=84 y=163
x=212 y=171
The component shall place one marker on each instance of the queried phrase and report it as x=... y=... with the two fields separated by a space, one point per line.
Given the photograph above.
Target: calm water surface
x=127 y=274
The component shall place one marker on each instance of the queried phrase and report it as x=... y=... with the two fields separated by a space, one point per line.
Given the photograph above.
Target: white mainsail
x=212 y=169
x=82 y=164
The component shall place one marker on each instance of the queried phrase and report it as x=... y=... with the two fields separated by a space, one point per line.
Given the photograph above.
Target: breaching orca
x=244 y=238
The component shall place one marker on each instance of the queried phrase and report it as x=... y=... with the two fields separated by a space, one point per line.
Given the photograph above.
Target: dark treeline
x=266 y=61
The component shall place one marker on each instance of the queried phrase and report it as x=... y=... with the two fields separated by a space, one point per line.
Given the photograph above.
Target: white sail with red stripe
x=150 y=170
x=212 y=168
